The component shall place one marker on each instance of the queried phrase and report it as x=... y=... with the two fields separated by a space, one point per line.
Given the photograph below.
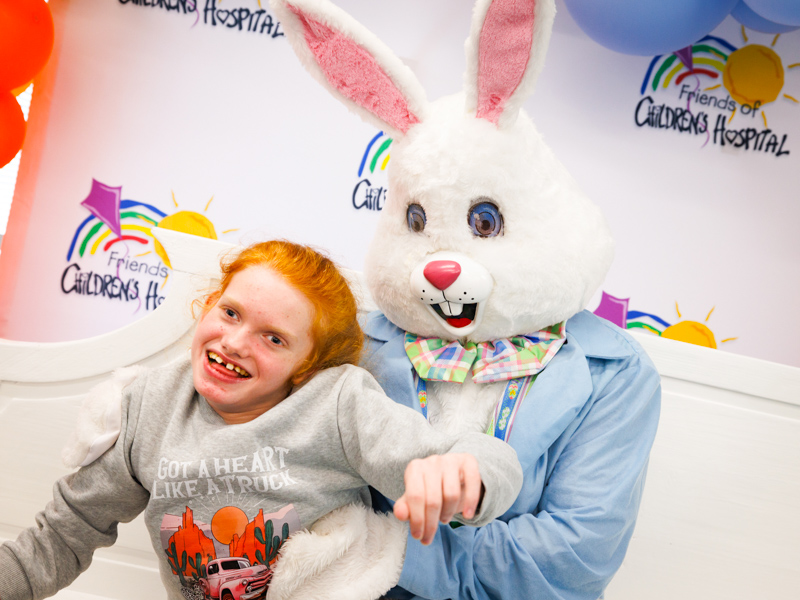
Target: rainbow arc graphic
x=379 y=156
x=710 y=51
x=97 y=233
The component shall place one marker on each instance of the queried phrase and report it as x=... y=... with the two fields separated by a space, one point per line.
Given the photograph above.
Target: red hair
x=335 y=332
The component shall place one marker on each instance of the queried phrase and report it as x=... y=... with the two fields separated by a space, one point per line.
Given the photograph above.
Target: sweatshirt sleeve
x=380 y=438
x=573 y=541
x=83 y=516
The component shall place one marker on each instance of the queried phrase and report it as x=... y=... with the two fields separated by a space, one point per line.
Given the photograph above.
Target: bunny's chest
x=456 y=408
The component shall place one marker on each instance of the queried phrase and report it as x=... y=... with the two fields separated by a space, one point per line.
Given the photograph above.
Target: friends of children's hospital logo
x=720 y=93
x=232 y=16
x=113 y=254
x=369 y=191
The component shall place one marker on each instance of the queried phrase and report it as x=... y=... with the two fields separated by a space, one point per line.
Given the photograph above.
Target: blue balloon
x=648 y=27
x=784 y=12
x=750 y=19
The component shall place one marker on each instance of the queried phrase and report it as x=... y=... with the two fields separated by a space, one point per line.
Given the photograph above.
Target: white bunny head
x=484 y=235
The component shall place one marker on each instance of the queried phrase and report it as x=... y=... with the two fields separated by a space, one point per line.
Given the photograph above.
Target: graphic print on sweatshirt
x=222 y=532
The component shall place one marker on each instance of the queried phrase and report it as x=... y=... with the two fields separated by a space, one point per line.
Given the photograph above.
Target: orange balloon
x=26 y=40
x=12 y=128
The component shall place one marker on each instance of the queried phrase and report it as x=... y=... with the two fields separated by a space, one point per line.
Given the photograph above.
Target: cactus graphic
x=198 y=566
x=271 y=543
x=272 y=549
x=177 y=567
x=262 y=535
x=203 y=573
x=277 y=541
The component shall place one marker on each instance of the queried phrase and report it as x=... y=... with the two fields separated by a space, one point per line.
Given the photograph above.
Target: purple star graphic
x=103 y=203
x=613 y=309
x=685 y=54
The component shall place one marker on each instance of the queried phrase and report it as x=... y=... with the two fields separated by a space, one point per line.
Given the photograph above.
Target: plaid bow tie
x=435 y=359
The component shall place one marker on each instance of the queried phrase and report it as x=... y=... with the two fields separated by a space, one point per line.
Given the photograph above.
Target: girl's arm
x=83 y=516
x=381 y=439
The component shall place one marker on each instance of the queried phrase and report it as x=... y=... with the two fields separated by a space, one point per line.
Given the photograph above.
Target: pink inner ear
x=504 y=51
x=356 y=74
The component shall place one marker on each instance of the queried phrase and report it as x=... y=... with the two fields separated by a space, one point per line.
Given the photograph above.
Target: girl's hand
x=438 y=487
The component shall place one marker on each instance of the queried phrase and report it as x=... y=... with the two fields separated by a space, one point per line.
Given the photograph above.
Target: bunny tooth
x=451 y=309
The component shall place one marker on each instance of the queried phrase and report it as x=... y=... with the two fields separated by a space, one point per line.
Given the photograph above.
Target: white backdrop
x=186 y=115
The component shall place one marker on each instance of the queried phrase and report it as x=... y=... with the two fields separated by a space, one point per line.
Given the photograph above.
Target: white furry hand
x=351 y=553
x=438 y=487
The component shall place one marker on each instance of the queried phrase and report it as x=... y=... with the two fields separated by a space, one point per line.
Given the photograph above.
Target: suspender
x=504 y=413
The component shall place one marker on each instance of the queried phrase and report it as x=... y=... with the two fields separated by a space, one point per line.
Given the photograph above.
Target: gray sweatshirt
x=213 y=491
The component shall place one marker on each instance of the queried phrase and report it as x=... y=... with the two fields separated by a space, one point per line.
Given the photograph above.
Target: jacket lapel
x=553 y=401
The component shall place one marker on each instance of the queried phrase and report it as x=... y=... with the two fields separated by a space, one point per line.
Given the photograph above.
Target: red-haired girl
x=267 y=427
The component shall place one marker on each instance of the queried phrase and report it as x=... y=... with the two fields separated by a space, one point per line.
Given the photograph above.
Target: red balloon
x=26 y=40
x=12 y=128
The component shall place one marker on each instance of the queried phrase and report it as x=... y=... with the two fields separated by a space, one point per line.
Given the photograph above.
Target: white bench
x=721 y=511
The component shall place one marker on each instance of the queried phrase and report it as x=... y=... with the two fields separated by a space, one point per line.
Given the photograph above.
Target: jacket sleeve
x=83 y=516
x=571 y=543
x=380 y=438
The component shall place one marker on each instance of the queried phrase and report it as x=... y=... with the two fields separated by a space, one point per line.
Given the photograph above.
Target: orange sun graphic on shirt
x=227 y=522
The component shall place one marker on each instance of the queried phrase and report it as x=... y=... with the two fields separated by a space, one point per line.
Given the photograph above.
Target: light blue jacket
x=583 y=436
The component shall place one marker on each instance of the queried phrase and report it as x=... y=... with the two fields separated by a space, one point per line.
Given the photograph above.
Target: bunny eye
x=485 y=220
x=415 y=217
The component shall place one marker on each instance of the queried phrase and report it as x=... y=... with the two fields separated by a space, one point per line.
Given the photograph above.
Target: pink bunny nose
x=442 y=273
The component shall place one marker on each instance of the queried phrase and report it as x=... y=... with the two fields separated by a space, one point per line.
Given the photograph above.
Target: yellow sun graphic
x=754 y=76
x=186 y=221
x=692 y=332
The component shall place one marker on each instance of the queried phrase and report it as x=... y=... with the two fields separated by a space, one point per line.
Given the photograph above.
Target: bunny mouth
x=454 y=314
x=454 y=289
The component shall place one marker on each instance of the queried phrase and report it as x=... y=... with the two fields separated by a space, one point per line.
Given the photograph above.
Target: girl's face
x=248 y=346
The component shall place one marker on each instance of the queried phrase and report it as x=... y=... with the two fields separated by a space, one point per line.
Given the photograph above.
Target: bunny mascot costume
x=485 y=257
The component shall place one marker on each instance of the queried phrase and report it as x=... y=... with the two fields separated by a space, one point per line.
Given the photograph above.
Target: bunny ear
x=353 y=64
x=505 y=53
